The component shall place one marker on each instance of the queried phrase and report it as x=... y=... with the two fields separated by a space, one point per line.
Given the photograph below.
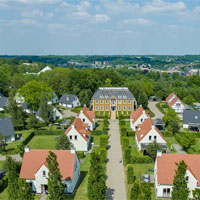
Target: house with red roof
x=146 y=133
x=87 y=116
x=35 y=169
x=164 y=171
x=137 y=117
x=175 y=103
x=79 y=135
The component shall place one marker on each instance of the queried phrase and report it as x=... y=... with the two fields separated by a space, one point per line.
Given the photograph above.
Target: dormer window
x=119 y=96
x=124 y=96
x=101 y=96
x=67 y=98
x=196 y=117
x=106 y=96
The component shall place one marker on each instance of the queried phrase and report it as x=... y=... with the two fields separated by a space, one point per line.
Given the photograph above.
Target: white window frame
x=129 y=108
x=129 y=101
x=119 y=108
x=124 y=101
x=97 y=108
x=106 y=108
x=102 y=108
x=101 y=102
x=124 y=107
x=97 y=101
x=119 y=101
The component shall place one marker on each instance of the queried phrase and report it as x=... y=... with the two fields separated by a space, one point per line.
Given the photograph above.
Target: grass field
x=43 y=142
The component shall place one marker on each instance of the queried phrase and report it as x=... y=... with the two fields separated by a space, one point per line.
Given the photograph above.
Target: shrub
x=167 y=133
x=122 y=122
x=80 y=154
x=125 y=142
x=103 y=154
x=141 y=159
x=103 y=141
x=28 y=138
x=131 y=133
x=123 y=131
x=48 y=132
x=3 y=183
x=105 y=130
x=127 y=156
x=130 y=175
x=96 y=132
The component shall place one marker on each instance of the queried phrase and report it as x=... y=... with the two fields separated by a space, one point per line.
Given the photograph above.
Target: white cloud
x=83 y=6
x=36 y=13
x=79 y=15
x=32 y=1
x=20 y=21
x=139 y=21
x=163 y=7
x=101 y=18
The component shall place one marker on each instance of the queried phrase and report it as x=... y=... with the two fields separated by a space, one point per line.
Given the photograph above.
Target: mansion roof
x=115 y=92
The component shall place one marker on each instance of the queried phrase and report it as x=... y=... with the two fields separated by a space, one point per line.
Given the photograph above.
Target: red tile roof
x=89 y=114
x=80 y=128
x=136 y=114
x=171 y=103
x=144 y=128
x=166 y=166
x=170 y=96
x=33 y=160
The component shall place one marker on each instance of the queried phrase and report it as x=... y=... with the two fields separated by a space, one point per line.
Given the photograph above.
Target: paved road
x=115 y=170
x=69 y=113
x=179 y=148
x=154 y=109
x=17 y=157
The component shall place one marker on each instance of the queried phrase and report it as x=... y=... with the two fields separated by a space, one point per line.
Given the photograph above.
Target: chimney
x=84 y=105
x=73 y=151
x=84 y=134
x=27 y=149
x=73 y=126
x=159 y=153
x=153 y=126
x=81 y=111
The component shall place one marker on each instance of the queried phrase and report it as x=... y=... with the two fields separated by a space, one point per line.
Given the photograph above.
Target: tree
x=152 y=149
x=33 y=122
x=108 y=83
x=196 y=194
x=25 y=190
x=145 y=191
x=2 y=143
x=32 y=92
x=20 y=149
x=85 y=96
x=135 y=191
x=187 y=140
x=63 y=143
x=189 y=100
x=143 y=99
x=12 y=179
x=46 y=110
x=97 y=179
x=55 y=185
x=180 y=190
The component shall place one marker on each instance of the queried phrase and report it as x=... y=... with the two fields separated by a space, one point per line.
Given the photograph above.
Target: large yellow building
x=113 y=99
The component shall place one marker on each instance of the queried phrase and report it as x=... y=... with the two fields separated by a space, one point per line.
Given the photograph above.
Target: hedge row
x=3 y=183
x=96 y=132
x=48 y=132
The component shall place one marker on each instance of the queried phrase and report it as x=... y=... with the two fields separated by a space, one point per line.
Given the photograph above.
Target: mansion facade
x=113 y=99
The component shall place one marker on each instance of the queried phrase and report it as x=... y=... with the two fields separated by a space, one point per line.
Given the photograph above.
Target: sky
x=99 y=27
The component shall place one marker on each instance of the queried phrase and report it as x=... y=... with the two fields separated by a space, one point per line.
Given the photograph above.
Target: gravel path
x=17 y=157
x=69 y=113
x=154 y=109
x=115 y=170
x=179 y=148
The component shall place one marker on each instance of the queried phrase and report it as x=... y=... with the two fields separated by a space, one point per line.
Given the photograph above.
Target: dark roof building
x=6 y=129
x=1 y=95
x=191 y=119
x=3 y=102
x=69 y=100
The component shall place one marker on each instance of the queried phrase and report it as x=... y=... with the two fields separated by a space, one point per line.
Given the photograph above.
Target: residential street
x=69 y=113
x=115 y=170
x=154 y=109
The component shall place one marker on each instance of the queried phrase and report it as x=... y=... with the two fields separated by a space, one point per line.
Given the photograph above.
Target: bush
x=103 y=154
x=3 y=183
x=28 y=138
x=130 y=175
x=141 y=159
x=167 y=133
x=125 y=142
x=122 y=122
x=127 y=156
x=103 y=141
x=123 y=131
x=48 y=132
x=96 y=132
x=80 y=154
x=105 y=130
x=131 y=133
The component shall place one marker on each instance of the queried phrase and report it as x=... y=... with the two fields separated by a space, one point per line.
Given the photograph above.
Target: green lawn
x=170 y=141
x=99 y=126
x=1 y=164
x=4 y=195
x=43 y=142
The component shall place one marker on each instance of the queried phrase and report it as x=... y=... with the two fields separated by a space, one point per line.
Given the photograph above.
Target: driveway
x=69 y=113
x=179 y=148
x=17 y=157
x=154 y=109
x=115 y=171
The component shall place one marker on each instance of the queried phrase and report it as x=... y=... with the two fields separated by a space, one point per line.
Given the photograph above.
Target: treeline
x=84 y=82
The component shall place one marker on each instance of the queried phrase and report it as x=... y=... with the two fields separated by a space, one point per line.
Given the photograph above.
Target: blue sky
x=108 y=27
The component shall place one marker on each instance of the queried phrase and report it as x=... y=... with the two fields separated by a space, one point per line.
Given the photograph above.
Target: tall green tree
x=135 y=191
x=108 y=83
x=2 y=143
x=32 y=91
x=143 y=99
x=46 y=110
x=187 y=140
x=196 y=194
x=55 y=185
x=63 y=143
x=33 y=122
x=180 y=190
x=85 y=97
x=25 y=190
x=97 y=179
x=12 y=179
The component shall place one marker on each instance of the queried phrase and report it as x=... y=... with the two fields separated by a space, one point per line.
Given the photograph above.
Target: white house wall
x=87 y=121
x=140 y=120
x=80 y=144
x=151 y=133
x=177 y=108
x=185 y=126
